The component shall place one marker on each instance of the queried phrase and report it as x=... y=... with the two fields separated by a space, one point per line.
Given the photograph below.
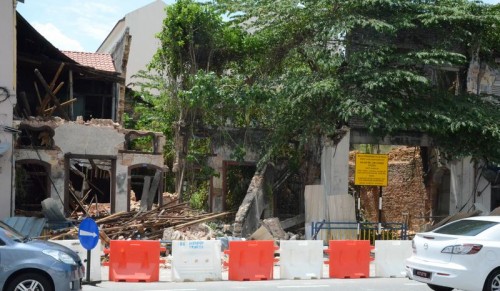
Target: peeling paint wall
x=482 y=79
x=96 y=138
x=7 y=103
x=222 y=153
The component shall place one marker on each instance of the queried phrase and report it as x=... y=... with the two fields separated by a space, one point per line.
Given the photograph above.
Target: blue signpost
x=88 y=234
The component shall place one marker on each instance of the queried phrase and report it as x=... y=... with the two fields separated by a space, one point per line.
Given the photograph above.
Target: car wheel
x=439 y=288
x=30 y=281
x=493 y=281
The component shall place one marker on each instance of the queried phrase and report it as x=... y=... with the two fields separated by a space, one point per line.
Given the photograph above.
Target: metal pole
x=88 y=265
x=380 y=213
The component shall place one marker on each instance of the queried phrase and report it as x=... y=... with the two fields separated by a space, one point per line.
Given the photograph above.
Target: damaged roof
x=98 y=61
x=32 y=47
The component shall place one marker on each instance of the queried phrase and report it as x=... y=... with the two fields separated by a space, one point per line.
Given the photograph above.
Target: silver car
x=36 y=265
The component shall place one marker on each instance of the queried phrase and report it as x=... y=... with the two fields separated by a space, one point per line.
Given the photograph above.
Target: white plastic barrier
x=301 y=259
x=390 y=257
x=95 y=257
x=196 y=260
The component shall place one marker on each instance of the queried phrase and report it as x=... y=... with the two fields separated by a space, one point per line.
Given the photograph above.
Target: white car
x=463 y=254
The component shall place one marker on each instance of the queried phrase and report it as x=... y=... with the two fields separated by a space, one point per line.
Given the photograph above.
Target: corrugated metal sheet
x=28 y=226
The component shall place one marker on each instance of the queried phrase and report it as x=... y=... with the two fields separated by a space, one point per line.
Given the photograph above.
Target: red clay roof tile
x=98 y=61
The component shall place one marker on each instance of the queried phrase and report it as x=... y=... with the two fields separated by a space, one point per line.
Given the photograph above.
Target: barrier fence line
x=196 y=260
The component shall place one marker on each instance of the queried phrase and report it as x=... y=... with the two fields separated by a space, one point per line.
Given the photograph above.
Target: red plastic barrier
x=134 y=261
x=349 y=258
x=251 y=260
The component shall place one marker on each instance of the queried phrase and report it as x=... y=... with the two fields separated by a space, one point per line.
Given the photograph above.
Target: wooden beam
x=62 y=104
x=180 y=226
x=51 y=94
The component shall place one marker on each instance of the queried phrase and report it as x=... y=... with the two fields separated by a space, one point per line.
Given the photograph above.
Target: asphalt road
x=367 y=284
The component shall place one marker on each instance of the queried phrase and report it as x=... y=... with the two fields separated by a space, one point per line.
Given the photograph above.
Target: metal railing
x=359 y=230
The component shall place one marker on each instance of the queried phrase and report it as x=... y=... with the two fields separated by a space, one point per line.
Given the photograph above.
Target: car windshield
x=11 y=233
x=466 y=227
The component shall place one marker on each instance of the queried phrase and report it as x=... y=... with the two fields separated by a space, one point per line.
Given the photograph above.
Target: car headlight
x=60 y=256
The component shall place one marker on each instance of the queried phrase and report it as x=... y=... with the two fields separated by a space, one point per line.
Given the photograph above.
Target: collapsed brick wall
x=405 y=199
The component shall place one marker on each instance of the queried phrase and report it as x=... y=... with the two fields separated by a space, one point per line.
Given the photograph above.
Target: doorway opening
x=91 y=181
x=32 y=185
x=236 y=180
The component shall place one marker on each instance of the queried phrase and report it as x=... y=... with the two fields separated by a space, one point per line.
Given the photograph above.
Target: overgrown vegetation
x=305 y=69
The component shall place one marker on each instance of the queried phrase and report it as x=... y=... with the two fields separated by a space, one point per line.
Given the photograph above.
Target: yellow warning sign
x=371 y=170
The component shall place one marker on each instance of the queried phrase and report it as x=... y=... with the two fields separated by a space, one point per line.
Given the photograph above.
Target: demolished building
x=67 y=145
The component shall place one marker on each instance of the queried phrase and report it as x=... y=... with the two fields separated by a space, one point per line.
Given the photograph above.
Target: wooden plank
x=153 y=191
x=51 y=94
x=177 y=227
x=38 y=94
x=62 y=104
x=145 y=191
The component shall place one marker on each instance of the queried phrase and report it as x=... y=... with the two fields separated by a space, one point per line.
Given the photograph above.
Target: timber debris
x=140 y=224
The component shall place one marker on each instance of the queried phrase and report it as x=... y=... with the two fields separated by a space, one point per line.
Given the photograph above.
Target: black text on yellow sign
x=371 y=170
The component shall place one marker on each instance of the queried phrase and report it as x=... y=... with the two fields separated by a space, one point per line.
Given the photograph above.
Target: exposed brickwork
x=405 y=198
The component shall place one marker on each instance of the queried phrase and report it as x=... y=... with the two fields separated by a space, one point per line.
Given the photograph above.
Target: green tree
x=395 y=64
x=196 y=46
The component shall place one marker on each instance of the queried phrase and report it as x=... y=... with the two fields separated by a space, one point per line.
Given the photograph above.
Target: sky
x=77 y=25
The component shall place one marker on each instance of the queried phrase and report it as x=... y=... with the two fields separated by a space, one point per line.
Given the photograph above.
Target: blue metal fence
x=359 y=230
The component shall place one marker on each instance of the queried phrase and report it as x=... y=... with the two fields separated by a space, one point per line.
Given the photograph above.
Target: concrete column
x=461 y=185
x=335 y=166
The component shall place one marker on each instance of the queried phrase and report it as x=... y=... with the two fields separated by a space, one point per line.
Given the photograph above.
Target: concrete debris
x=197 y=232
x=271 y=229
x=262 y=233
x=273 y=225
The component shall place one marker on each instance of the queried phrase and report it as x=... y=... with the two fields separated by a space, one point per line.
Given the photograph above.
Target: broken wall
x=223 y=152
x=405 y=198
x=95 y=139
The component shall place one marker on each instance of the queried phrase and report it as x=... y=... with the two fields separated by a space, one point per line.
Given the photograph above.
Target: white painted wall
x=8 y=81
x=339 y=205
x=335 y=167
x=143 y=23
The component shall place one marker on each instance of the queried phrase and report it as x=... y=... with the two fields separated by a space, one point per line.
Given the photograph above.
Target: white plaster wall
x=124 y=161
x=339 y=206
x=335 y=167
x=8 y=81
x=89 y=140
x=113 y=37
x=144 y=24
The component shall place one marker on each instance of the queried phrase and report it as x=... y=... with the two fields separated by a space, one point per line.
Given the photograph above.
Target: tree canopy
x=397 y=65
x=306 y=69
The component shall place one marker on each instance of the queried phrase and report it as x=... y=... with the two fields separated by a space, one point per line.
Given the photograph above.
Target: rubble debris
x=274 y=226
x=151 y=225
x=197 y=232
x=271 y=229
x=262 y=233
